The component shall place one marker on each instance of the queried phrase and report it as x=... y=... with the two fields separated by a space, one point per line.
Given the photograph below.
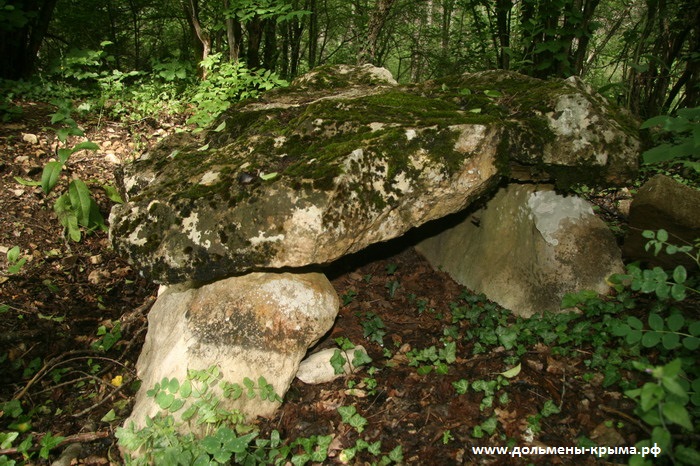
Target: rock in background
x=260 y=324
x=662 y=202
x=527 y=248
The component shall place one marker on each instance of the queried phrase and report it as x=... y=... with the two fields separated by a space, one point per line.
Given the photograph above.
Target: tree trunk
x=135 y=29
x=503 y=8
x=233 y=35
x=20 y=43
x=368 y=51
x=270 y=51
x=313 y=32
x=255 y=34
x=669 y=34
x=203 y=42
x=295 y=30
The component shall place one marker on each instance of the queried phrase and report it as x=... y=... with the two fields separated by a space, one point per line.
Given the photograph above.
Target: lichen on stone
x=356 y=159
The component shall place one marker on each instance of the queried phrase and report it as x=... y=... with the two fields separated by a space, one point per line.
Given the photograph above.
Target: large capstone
x=345 y=157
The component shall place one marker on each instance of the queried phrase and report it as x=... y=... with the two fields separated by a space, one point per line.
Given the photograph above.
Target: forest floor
x=68 y=296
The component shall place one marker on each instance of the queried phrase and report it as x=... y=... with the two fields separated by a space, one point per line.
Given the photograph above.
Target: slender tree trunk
x=233 y=34
x=135 y=29
x=670 y=36
x=313 y=32
x=503 y=9
x=113 y=34
x=270 y=51
x=578 y=57
x=368 y=51
x=254 y=27
x=609 y=35
x=295 y=29
x=203 y=39
x=527 y=14
x=447 y=10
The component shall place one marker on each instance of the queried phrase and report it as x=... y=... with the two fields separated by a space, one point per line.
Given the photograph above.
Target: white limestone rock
x=260 y=324
x=527 y=248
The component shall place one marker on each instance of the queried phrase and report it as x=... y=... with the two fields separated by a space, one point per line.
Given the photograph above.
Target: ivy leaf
x=461 y=386
x=49 y=442
x=360 y=358
x=338 y=361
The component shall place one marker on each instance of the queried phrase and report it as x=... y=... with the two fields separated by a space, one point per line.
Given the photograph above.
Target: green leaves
x=47 y=443
x=461 y=386
x=227 y=82
x=429 y=359
x=373 y=328
x=667 y=332
x=49 y=176
x=350 y=416
x=510 y=373
x=664 y=401
x=338 y=362
x=77 y=208
x=488 y=427
x=685 y=131
x=15 y=260
x=493 y=93
x=655 y=280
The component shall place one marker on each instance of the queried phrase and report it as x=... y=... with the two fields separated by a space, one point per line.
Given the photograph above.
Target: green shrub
x=225 y=84
x=670 y=404
x=680 y=138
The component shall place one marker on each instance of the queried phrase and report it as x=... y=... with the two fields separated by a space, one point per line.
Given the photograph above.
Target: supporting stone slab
x=527 y=248
x=260 y=324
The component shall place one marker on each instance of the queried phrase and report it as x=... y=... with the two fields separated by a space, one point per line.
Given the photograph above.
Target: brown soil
x=66 y=291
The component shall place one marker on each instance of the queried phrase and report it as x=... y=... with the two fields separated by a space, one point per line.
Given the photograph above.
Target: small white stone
x=30 y=138
x=317 y=368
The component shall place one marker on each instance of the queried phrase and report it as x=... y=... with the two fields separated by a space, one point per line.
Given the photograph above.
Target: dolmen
x=239 y=222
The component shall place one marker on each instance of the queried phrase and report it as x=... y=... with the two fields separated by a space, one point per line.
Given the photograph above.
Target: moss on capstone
x=358 y=141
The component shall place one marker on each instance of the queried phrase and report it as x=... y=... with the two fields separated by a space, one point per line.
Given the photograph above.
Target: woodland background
x=86 y=85
x=645 y=54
